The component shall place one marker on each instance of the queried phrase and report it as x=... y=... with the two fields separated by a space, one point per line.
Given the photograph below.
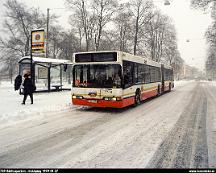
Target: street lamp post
x=31 y=60
x=47 y=34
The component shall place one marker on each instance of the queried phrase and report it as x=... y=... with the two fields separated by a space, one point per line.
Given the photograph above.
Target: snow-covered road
x=167 y=131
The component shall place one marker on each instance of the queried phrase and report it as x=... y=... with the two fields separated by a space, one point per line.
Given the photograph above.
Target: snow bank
x=213 y=83
x=181 y=82
x=12 y=111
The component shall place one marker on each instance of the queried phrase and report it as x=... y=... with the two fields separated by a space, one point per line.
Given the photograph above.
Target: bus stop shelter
x=48 y=74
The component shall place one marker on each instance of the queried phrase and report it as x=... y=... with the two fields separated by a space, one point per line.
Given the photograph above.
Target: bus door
x=162 y=78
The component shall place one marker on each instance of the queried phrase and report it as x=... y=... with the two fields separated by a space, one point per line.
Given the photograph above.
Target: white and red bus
x=117 y=79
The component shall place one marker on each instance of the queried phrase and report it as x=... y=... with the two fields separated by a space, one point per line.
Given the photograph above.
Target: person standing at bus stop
x=28 y=88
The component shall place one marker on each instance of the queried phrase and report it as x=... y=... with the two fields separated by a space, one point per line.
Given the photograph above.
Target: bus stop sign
x=38 y=41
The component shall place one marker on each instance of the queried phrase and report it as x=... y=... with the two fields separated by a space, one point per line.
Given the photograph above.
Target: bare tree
x=19 y=21
x=68 y=45
x=55 y=40
x=18 y=24
x=83 y=20
x=104 y=10
x=142 y=12
x=203 y=4
x=211 y=55
x=123 y=30
x=210 y=35
x=155 y=33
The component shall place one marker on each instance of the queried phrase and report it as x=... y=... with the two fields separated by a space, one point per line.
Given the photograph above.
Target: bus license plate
x=92 y=101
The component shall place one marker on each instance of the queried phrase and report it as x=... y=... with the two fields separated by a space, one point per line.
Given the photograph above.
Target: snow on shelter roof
x=46 y=60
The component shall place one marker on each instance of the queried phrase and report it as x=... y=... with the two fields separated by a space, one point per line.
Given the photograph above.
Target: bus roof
x=103 y=51
x=128 y=56
x=139 y=59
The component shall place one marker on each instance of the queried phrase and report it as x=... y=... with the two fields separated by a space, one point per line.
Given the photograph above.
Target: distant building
x=189 y=72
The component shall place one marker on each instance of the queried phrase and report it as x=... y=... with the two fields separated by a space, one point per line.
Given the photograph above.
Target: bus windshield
x=97 y=76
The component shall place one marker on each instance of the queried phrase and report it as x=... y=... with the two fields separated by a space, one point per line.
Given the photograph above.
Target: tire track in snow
x=107 y=130
x=186 y=145
x=211 y=124
x=73 y=135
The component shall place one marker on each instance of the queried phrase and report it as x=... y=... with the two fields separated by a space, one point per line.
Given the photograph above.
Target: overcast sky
x=190 y=24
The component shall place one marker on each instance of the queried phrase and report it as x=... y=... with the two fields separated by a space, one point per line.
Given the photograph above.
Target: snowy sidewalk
x=12 y=111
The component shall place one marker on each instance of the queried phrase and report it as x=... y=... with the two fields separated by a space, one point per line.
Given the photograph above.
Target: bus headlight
x=107 y=98
x=77 y=97
x=112 y=98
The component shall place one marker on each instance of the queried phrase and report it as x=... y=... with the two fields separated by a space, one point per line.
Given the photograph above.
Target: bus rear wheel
x=159 y=90
x=170 y=87
x=137 y=98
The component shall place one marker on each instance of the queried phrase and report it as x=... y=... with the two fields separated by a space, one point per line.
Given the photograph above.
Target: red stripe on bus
x=104 y=103
x=113 y=104
x=128 y=101
x=149 y=94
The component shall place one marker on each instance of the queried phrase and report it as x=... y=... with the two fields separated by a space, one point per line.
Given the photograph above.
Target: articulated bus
x=117 y=79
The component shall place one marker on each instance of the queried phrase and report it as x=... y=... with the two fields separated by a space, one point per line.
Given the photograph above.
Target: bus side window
x=152 y=73
x=147 y=74
x=128 y=73
x=159 y=75
x=165 y=74
x=141 y=73
x=172 y=74
x=135 y=73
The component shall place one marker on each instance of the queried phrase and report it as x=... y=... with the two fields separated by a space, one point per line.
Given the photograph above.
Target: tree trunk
x=100 y=27
x=11 y=71
x=121 y=35
x=123 y=40
x=80 y=39
x=136 y=35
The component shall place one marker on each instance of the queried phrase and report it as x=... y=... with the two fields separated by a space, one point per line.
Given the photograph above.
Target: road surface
x=175 y=130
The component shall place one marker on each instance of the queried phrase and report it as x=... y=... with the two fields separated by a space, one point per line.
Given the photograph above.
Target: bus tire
x=170 y=87
x=159 y=91
x=137 y=98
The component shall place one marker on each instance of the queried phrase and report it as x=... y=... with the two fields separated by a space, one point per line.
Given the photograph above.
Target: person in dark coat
x=18 y=82
x=28 y=88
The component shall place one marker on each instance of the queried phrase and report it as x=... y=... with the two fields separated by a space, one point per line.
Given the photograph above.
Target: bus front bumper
x=104 y=103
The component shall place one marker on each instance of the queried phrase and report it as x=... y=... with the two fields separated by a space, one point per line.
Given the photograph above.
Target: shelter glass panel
x=67 y=76
x=41 y=76
x=55 y=76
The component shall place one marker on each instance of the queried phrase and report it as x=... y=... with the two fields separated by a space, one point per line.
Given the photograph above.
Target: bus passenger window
x=135 y=73
x=128 y=73
x=152 y=73
x=147 y=75
x=141 y=73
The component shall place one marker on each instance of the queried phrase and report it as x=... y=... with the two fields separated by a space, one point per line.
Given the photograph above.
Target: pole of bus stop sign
x=31 y=58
